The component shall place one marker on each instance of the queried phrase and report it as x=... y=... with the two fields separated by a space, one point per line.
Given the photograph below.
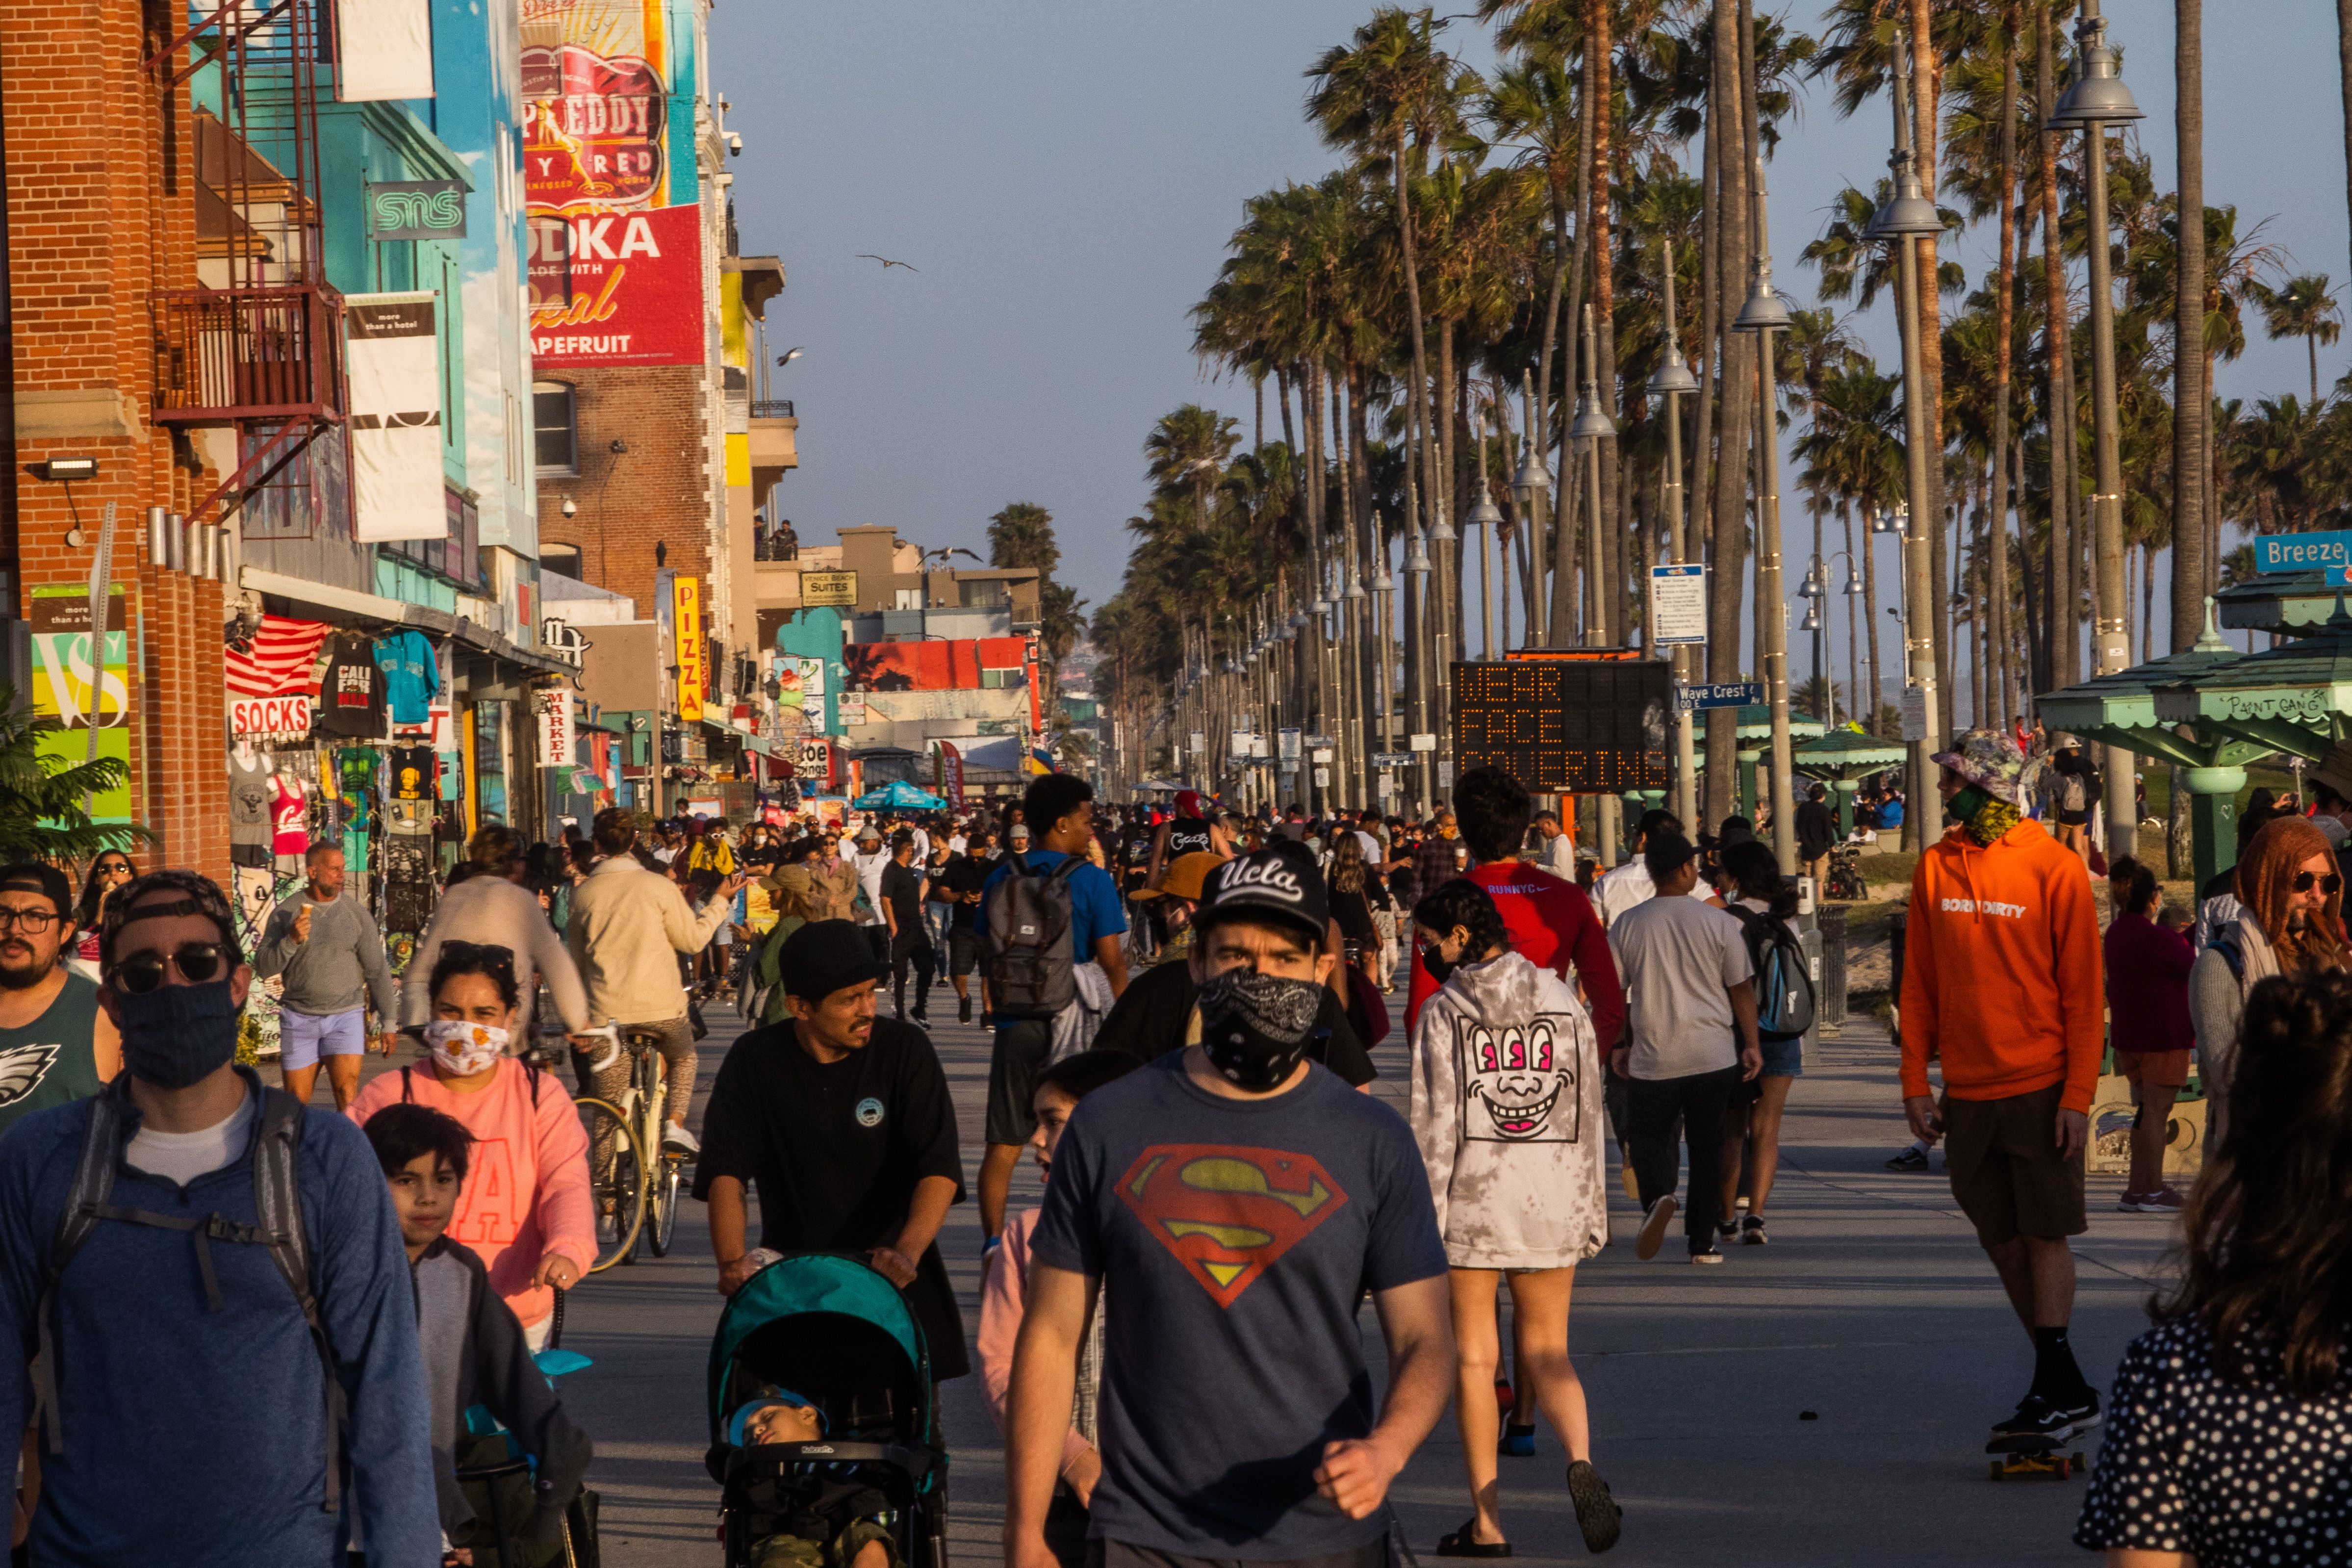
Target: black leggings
x=1701 y=1100
x=916 y=946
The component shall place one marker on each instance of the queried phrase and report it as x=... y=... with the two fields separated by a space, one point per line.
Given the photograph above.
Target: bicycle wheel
x=616 y=1180
x=661 y=1203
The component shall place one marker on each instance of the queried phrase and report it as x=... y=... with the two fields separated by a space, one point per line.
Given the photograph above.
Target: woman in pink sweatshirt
x=525 y=1207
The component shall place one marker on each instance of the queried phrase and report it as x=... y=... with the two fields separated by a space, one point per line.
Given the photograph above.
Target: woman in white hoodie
x=1507 y=1083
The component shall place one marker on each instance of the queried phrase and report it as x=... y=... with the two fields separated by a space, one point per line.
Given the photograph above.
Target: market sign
x=822 y=590
x=416 y=209
x=1567 y=727
x=552 y=704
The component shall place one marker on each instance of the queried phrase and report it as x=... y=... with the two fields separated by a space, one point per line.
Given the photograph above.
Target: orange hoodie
x=2000 y=970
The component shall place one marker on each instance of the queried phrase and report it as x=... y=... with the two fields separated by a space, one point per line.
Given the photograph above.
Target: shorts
x=1023 y=1048
x=2074 y=819
x=2164 y=1070
x=304 y=1037
x=2006 y=1174
x=963 y=950
x=1106 y=1553
x=1783 y=1058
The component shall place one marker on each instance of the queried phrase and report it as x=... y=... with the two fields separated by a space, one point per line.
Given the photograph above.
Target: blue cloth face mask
x=176 y=1035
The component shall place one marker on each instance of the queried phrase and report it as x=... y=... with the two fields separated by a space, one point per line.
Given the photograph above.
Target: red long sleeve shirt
x=1555 y=927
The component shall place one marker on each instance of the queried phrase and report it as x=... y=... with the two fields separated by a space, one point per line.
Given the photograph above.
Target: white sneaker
x=1654 y=1229
x=676 y=1136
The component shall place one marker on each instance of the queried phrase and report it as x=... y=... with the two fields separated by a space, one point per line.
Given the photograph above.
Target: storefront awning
x=373 y=612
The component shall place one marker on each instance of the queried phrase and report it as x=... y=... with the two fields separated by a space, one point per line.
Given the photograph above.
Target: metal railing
x=248 y=353
x=771 y=408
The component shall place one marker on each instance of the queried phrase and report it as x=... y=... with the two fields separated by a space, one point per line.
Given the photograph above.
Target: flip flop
x=1462 y=1543
x=1597 y=1513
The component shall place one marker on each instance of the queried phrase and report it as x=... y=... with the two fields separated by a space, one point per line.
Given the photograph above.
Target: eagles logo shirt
x=1238 y=1239
x=52 y=1059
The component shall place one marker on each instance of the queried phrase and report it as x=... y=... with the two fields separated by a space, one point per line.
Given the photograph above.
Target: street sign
x=1422 y=742
x=1200 y=744
x=1289 y=753
x=1732 y=694
x=1386 y=786
x=1241 y=742
x=1678 y=604
x=2302 y=552
x=1322 y=778
x=1567 y=727
x=1391 y=759
x=1914 y=714
x=1320 y=754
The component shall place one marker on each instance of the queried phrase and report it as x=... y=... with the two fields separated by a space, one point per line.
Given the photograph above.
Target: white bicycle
x=634 y=1179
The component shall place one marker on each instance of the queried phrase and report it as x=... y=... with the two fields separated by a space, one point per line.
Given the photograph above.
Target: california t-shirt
x=1235 y=1240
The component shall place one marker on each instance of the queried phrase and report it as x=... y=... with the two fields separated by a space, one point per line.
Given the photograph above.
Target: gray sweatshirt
x=341 y=967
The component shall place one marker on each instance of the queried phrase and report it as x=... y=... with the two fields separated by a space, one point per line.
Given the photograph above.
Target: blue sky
x=1065 y=175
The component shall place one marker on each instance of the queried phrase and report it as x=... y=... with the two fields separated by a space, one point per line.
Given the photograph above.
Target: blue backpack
x=1784 y=982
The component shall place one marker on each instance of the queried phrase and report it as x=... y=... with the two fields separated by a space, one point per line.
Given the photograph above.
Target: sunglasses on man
x=2328 y=884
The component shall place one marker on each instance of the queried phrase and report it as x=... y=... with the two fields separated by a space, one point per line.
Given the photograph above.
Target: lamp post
x=1529 y=487
x=1591 y=427
x=1764 y=314
x=1908 y=216
x=1438 y=707
x=1416 y=566
x=2097 y=99
x=1485 y=516
x=1671 y=381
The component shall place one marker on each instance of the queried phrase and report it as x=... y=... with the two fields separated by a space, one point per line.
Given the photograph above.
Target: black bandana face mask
x=1256 y=1027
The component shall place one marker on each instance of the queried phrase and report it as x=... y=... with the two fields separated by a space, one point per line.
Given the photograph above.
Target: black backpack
x=1784 y=982
x=277 y=1199
x=1030 y=960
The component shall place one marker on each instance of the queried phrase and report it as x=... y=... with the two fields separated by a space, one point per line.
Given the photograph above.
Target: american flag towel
x=279 y=661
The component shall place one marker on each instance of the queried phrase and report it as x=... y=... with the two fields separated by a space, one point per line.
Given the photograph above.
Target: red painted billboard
x=634 y=289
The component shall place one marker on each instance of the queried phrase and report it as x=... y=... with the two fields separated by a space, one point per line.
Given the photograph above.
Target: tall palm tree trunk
x=2344 y=64
x=1859 y=703
x=2063 y=597
x=1564 y=584
x=1608 y=528
x=1927 y=80
x=2002 y=678
x=1730 y=512
x=2191 y=406
x=1870 y=616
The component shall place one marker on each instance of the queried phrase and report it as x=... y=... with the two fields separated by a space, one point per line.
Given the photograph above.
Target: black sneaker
x=1912 y=1159
x=2036 y=1421
x=1751 y=1231
x=2082 y=1409
x=922 y=1016
x=1708 y=1253
x=964 y=1009
x=1728 y=1230
x=1597 y=1513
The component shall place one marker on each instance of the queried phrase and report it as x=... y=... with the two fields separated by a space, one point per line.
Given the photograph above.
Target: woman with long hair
x=2290 y=921
x=2230 y=1423
x=112 y=869
x=1505 y=1106
x=1763 y=902
x=1356 y=891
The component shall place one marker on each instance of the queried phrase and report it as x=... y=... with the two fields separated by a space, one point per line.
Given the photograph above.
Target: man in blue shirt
x=190 y=1421
x=1233 y=1202
x=1059 y=807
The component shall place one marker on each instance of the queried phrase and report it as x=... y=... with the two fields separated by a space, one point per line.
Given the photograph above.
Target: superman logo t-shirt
x=1235 y=1240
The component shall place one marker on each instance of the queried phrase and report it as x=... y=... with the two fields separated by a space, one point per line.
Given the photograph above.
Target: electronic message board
x=1595 y=726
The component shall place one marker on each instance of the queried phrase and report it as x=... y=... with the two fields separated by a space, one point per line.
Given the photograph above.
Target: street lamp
x=1486 y=518
x=1529 y=487
x=1764 y=314
x=1671 y=381
x=2097 y=100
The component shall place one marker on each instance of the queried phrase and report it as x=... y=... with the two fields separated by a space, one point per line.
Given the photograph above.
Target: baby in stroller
x=830 y=1521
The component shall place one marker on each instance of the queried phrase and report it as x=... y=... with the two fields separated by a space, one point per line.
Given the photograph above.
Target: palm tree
x=1022 y=535
x=45 y=800
x=2300 y=308
x=1856 y=452
x=1189 y=447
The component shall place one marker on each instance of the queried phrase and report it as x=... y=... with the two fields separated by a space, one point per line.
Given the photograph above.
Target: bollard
x=1829 y=983
x=1895 y=923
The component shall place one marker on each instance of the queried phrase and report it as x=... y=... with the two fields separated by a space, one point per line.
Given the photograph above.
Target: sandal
x=1463 y=1543
x=1597 y=1513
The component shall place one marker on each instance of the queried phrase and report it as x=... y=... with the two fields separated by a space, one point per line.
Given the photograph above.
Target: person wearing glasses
x=327 y=948
x=110 y=871
x=54 y=1044
x=175 y=1314
x=2002 y=987
x=2290 y=922
x=526 y=1206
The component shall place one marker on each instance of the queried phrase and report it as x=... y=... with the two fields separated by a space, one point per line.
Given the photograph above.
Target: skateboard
x=2033 y=1456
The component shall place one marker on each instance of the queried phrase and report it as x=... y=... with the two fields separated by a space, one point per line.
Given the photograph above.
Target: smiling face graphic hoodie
x=2001 y=972
x=1507 y=1109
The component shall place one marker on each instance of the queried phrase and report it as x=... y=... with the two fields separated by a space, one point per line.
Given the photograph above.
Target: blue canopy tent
x=899 y=796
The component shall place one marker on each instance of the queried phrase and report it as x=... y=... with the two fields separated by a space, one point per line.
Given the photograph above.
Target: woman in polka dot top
x=2229 y=1435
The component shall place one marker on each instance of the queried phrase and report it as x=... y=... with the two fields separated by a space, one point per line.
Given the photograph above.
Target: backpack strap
x=2225 y=943
x=92 y=1188
x=277 y=1201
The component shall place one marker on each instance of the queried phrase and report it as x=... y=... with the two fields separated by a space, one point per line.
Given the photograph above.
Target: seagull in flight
x=887 y=262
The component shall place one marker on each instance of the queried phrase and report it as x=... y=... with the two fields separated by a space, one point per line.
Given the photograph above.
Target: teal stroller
x=831 y=1330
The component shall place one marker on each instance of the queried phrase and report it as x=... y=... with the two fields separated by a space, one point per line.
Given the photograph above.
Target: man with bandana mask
x=1177 y=1191
x=174 y=1333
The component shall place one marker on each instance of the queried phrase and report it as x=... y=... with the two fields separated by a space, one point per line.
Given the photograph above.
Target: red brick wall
x=658 y=491
x=102 y=214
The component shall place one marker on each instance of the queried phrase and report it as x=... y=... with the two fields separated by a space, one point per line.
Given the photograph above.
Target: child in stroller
x=840 y=1521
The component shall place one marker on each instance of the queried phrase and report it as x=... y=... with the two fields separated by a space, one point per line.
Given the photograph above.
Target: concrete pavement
x=1873 y=1309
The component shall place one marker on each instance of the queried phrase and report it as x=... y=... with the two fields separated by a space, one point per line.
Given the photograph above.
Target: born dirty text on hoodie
x=1506 y=1107
x=2002 y=970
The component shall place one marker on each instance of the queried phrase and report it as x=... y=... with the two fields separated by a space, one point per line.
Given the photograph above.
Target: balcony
x=229 y=354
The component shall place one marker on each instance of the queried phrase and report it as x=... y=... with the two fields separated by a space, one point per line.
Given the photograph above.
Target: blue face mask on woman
x=177 y=1035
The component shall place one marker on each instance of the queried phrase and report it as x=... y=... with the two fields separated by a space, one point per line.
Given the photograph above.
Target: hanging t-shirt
x=412 y=773
x=289 y=814
x=351 y=696
x=355 y=776
x=411 y=675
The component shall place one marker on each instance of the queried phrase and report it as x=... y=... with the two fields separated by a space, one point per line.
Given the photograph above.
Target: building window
x=554 y=420
x=982 y=593
x=563 y=560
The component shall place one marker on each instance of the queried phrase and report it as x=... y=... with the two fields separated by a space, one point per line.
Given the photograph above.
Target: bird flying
x=887 y=262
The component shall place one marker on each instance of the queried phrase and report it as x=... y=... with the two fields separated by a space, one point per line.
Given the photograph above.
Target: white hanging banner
x=384 y=49
x=555 y=733
x=395 y=367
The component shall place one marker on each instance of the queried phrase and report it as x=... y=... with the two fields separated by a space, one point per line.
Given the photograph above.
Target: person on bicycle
x=525 y=1207
x=493 y=905
x=628 y=926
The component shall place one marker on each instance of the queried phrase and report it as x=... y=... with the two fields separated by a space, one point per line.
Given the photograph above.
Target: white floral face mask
x=462 y=1050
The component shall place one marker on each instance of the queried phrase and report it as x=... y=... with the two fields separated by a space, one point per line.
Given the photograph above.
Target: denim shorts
x=304 y=1037
x=1783 y=1058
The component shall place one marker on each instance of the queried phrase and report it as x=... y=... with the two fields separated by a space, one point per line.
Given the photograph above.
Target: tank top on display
x=293 y=817
x=50 y=1061
x=1188 y=836
x=248 y=801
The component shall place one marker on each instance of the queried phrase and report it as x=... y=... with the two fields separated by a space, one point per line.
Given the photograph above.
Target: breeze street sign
x=1735 y=694
x=2302 y=552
